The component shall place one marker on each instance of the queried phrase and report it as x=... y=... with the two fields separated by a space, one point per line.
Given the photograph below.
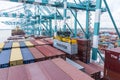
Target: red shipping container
x=73 y=72
x=34 y=72
x=83 y=42
x=17 y=73
x=112 y=59
x=111 y=75
x=33 y=42
x=54 y=71
x=45 y=51
x=4 y=74
x=37 y=54
x=42 y=40
x=39 y=42
x=54 y=50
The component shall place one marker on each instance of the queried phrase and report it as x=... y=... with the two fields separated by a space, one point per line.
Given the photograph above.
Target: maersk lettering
x=61 y=45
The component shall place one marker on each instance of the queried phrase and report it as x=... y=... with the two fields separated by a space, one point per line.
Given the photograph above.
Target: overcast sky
x=105 y=20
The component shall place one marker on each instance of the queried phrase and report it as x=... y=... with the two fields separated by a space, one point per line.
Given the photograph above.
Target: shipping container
x=27 y=56
x=55 y=51
x=22 y=44
x=5 y=58
x=86 y=42
x=37 y=54
x=17 y=73
x=28 y=44
x=8 y=45
x=16 y=57
x=73 y=72
x=39 y=42
x=4 y=74
x=15 y=45
x=34 y=42
x=91 y=71
x=73 y=63
x=54 y=71
x=34 y=72
x=112 y=59
x=111 y=75
x=1 y=46
x=45 y=52
x=45 y=42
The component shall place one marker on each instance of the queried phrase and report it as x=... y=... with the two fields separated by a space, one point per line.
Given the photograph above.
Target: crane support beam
x=113 y=21
x=81 y=6
x=96 y=29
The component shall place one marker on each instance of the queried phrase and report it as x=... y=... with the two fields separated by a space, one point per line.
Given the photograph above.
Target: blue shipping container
x=5 y=58
x=27 y=56
x=22 y=44
x=8 y=45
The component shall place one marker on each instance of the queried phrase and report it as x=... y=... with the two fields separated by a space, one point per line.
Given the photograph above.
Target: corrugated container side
x=16 y=57
x=73 y=72
x=112 y=59
x=39 y=42
x=4 y=74
x=22 y=44
x=54 y=71
x=17 y=73
x=42 y=40
x=93 y=72
x=5 y=58
x=45 y=51
x=34 y=42
x=7 y=45
x=27 y=56
x=55 y=51
x=15 y=45
x=1 y=46
x=58 y=52
x=111 y=75
x=34 y=72
x=49 y=40
x=84 y=42
x=29 y=44
x=37 y=54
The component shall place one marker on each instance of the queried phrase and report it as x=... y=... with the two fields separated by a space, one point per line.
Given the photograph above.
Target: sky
x=114 y=6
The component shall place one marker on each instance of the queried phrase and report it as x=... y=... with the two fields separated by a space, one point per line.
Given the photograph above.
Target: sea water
x=4 y=34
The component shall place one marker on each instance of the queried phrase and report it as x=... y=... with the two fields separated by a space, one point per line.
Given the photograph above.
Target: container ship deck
x=59 y=40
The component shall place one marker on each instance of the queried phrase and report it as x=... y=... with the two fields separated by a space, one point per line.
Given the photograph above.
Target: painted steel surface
x=28 y=44
x=17 y=73
x=73 y=72
x=37 y=54
x=5 y=58
x=27 y=56
x=8 y=45
x=16 y=57
x=15 y=45
x=4 y=74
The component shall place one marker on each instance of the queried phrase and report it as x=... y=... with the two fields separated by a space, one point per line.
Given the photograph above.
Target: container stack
x=15 y=45
x=112 y=64
x=50 y=52
x=29 y=44
x=1 y=46
x=25 y=52
x=91 y=70
x=55 y=69
x=16 y=57
x=5 y=58
x=84 y=47
x=8 y=45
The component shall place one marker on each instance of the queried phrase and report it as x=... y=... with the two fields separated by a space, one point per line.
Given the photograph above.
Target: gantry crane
x=86 y=5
